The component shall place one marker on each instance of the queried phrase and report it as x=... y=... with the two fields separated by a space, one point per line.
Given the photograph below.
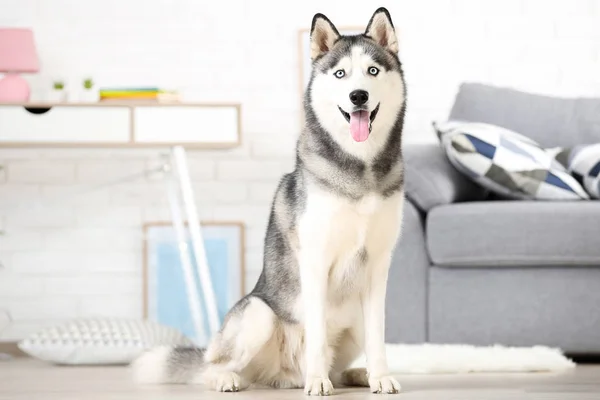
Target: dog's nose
x=359 y=97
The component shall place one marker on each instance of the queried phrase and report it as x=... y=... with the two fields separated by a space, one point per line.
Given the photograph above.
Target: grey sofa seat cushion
x=555 y=307
x=515 y=233
x=550 y=121
x=432 y=181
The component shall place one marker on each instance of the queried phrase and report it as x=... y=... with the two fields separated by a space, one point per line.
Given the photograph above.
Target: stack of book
x=150 y=94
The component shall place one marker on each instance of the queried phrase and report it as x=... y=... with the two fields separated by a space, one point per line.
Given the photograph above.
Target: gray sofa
x=477 y=270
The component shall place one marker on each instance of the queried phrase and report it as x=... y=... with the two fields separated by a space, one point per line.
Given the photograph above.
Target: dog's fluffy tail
x=168 y=365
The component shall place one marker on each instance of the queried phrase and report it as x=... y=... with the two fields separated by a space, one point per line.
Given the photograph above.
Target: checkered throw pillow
x=506 y=162
x=583 y=163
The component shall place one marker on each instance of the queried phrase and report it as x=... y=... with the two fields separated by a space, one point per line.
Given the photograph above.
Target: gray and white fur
x=319 y=301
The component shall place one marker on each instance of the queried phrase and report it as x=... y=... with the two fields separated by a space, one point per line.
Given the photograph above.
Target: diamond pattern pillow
x=506 y=163
x=583 y=163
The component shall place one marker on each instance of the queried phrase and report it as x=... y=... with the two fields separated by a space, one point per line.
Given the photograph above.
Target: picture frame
x=165 y=298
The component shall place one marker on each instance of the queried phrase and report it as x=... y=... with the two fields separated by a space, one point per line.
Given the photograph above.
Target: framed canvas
x=304 y=54
x=165 y=295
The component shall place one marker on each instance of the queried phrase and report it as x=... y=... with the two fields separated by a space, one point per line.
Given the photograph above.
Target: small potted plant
x=58 y=93
x=88 y=94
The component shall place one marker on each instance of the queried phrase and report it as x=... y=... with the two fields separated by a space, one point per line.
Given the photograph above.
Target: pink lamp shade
x=17 y=54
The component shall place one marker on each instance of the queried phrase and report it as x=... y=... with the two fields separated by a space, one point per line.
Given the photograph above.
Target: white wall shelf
x=120 y=124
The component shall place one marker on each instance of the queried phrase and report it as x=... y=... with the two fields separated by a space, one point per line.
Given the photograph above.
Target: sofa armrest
x=432 y=181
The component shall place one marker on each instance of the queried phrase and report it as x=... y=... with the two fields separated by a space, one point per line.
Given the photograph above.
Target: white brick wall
x=83 y=256
x=41 y=172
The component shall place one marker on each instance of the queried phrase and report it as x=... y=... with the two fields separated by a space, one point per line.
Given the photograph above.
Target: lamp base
x=13 y=89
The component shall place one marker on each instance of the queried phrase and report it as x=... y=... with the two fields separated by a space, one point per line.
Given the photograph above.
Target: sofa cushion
x=555 y=307
x=509 y=233
x=550 y=121
x=431 y=181
x=506 y=162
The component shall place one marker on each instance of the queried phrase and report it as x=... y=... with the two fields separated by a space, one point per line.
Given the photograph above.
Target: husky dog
x=319 y=302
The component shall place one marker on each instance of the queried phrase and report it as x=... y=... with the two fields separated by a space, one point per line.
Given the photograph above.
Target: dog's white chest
x=368 y=204
x=342 y=238
x=341 y=223
x=342 y=228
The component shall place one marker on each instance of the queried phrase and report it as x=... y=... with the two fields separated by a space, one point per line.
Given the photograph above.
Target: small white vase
x=88 y=96
x=57 y=96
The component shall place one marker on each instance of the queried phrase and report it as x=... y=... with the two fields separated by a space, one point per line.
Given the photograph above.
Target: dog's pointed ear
x=323 y=35
x=381 y=30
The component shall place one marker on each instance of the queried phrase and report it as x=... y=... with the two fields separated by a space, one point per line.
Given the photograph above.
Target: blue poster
x=167 y=292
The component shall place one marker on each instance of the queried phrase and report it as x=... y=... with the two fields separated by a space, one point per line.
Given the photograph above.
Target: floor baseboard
x=580 y=358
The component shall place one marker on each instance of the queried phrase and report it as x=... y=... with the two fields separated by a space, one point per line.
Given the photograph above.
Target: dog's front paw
x=228 y=382
x=318 y=387
x=384 y=384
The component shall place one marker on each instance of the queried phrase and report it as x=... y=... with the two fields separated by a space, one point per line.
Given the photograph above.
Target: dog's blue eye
x=373 y=71
x=340 y=73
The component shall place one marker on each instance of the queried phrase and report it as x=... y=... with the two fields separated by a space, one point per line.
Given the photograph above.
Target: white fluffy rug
x=444 y=359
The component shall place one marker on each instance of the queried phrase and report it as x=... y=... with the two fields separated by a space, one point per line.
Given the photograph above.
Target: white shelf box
x=63 y=125
x=120 y=125
x=186 y=125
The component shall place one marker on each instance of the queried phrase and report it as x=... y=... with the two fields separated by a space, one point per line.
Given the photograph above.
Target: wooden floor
x=31 y=380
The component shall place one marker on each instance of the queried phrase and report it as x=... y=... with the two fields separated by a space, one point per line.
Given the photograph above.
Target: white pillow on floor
x=99 y=341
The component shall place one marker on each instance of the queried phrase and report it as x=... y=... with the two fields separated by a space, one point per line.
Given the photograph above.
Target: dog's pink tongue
x=359 y=125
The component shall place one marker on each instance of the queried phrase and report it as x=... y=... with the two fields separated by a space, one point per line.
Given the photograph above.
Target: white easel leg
x=183 y=175
x=186 y=262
